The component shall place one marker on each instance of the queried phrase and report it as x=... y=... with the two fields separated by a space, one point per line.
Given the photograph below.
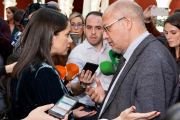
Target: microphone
x=72 y=71
x=107 y=68
x=114 y=57
x=62 y=70
x=68 y=73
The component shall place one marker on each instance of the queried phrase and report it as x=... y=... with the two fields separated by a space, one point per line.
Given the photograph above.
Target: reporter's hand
x=9 y=68
x=39 y=114
x=79 y=113
x=86 y=78
x=147 y=13
x=129 y=115
x=96 y=94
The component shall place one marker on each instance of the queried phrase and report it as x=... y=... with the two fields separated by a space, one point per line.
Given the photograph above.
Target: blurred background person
x=9 y=14
x=172 y=34
x=77 y=23
x=151 y=27
x=15 y=42
x=5 y=41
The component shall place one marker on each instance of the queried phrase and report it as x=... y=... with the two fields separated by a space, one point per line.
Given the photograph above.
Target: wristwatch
x=82 y=85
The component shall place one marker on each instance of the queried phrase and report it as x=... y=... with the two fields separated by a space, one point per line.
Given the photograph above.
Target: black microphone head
x=36 y=6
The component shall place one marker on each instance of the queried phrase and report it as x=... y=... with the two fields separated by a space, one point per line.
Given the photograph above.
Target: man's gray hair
x=127 y=8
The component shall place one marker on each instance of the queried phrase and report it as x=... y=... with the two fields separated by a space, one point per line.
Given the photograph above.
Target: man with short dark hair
x=93 y=50
x=18 y=15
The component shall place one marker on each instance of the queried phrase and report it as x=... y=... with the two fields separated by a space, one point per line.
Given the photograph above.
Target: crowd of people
x=144 y=86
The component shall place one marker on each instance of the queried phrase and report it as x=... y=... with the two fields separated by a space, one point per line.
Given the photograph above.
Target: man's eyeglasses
x=105 y=28
x=78 y=25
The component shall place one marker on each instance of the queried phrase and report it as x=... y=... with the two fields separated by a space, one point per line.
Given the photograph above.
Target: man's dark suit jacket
x=149 y=81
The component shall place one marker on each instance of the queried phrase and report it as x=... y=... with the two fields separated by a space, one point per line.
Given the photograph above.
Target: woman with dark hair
x=36 y=81
x=9 y=14
x=172 y=34
x=76 y=23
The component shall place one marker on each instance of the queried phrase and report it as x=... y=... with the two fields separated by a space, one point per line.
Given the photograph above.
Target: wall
x=78 y=6
x=21 y=4
x=143 y=3
x=1 y=10
x=174 y=5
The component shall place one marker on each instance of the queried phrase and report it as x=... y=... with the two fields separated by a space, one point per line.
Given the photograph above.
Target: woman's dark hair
x=12 y=8
x=174 y=20
x=37 y=38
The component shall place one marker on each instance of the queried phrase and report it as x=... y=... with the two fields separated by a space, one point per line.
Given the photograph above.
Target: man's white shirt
x=83 y=53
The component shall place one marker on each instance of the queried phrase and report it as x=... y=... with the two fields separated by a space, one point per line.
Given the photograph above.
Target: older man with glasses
x=147 y=74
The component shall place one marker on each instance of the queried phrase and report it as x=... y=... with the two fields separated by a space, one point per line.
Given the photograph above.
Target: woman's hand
x=129 y=115
x=9 y=68
x=39 y=114
x=147 y=13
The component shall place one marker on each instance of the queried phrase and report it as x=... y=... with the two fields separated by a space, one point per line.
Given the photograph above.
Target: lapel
x=132 y=60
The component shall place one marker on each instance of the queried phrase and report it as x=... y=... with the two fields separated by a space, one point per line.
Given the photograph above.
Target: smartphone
x=75 y=37
x=159 y=11
x=91 y=66
x=63 y=106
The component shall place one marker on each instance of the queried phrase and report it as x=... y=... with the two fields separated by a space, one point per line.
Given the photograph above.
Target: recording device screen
x=63 y=106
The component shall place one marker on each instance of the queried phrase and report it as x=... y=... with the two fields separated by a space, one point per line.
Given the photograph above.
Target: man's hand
x=147 y=13
x=86 y=78
x=129 y=115
x=96 y=94
x=79 y=113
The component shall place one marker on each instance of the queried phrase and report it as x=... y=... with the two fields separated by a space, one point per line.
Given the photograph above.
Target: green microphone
x=107 y=68
x=114 y=57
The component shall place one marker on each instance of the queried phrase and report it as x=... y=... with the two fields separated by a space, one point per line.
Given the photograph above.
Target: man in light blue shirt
x=94 y=50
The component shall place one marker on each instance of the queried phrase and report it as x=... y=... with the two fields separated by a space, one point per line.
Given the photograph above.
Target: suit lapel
x=128 y=66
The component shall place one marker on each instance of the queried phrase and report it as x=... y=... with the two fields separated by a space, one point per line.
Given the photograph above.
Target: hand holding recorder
x=88 y=74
